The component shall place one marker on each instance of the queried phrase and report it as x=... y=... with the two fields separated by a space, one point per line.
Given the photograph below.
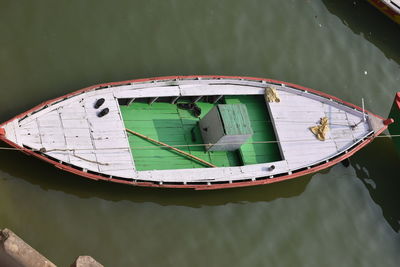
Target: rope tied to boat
x=185 y=145
x=271 y=95
x=44 y=150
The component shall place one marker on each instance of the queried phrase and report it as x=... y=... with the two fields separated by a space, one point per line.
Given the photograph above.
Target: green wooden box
x=226 y=127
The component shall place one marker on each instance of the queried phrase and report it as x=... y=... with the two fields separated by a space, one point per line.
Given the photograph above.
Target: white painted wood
x=114 y=155
x=293 y=117
x=84 y=159
x=76 y=124
x=80 y=137
x=73 y=100
x=79 y=143
x=48 y=109
x=106 y=124
x=108 y=134
x=213 y=174
x=105 y=143
x=127 y=173
x=201 y=90
x=76 y=132
x=73 y=133
x=148 y=92
x=30 y=135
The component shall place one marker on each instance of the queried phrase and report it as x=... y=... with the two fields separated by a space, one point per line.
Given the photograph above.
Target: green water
x=337 y=217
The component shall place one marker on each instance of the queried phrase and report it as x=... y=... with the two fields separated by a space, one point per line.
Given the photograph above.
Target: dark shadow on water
x=378 y=168
x=47 y=177
x=364 y=19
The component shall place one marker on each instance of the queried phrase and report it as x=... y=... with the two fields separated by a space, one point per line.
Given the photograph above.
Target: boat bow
x=74 y=132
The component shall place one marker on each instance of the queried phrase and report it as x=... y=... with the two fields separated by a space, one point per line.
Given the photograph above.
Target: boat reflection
x=50 y=178
x=365 y=20
x=378 y=168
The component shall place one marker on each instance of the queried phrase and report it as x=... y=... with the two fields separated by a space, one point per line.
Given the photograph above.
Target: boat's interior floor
x=178 y=127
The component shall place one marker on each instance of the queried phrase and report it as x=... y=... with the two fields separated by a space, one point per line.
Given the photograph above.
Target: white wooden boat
x=274 y=144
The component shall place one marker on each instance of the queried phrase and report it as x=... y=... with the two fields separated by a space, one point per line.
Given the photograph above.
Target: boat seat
x=254 y=151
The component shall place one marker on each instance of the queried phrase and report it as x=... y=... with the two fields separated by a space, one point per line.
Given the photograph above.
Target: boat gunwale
x=391 y=10
x=210 y=185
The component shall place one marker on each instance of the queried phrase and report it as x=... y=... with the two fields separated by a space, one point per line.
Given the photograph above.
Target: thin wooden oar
x=171 y=147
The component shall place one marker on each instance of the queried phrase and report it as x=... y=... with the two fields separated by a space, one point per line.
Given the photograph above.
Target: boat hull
x=389 y=9
x=198 y=185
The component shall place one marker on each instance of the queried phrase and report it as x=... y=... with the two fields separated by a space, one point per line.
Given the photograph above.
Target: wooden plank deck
x=74 y=134
x=296 y=113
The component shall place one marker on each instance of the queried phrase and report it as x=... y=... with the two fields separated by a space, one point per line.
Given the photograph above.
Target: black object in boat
x=99 y=103
x=103 y=112
x=272 y=167
x=191 y=106
x=193 y=134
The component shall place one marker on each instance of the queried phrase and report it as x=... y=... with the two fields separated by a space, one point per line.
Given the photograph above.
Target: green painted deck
x=166 y=123
x=235 y=119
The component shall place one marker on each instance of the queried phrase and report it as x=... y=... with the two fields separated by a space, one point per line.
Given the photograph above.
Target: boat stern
x=379 y=124
x=8 y=132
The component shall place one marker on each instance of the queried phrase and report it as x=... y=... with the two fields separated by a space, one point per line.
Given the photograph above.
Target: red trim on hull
x=197 y=187
x=397 y=100
x=388 y=121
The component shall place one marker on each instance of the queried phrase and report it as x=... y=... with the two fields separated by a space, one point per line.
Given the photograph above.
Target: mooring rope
x=183 y=145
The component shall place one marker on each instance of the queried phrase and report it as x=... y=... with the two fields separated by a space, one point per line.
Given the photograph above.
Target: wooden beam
x=217 y=99
x=152 y=100
x=197 y=99
x=174 y=100
x=171 y=147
